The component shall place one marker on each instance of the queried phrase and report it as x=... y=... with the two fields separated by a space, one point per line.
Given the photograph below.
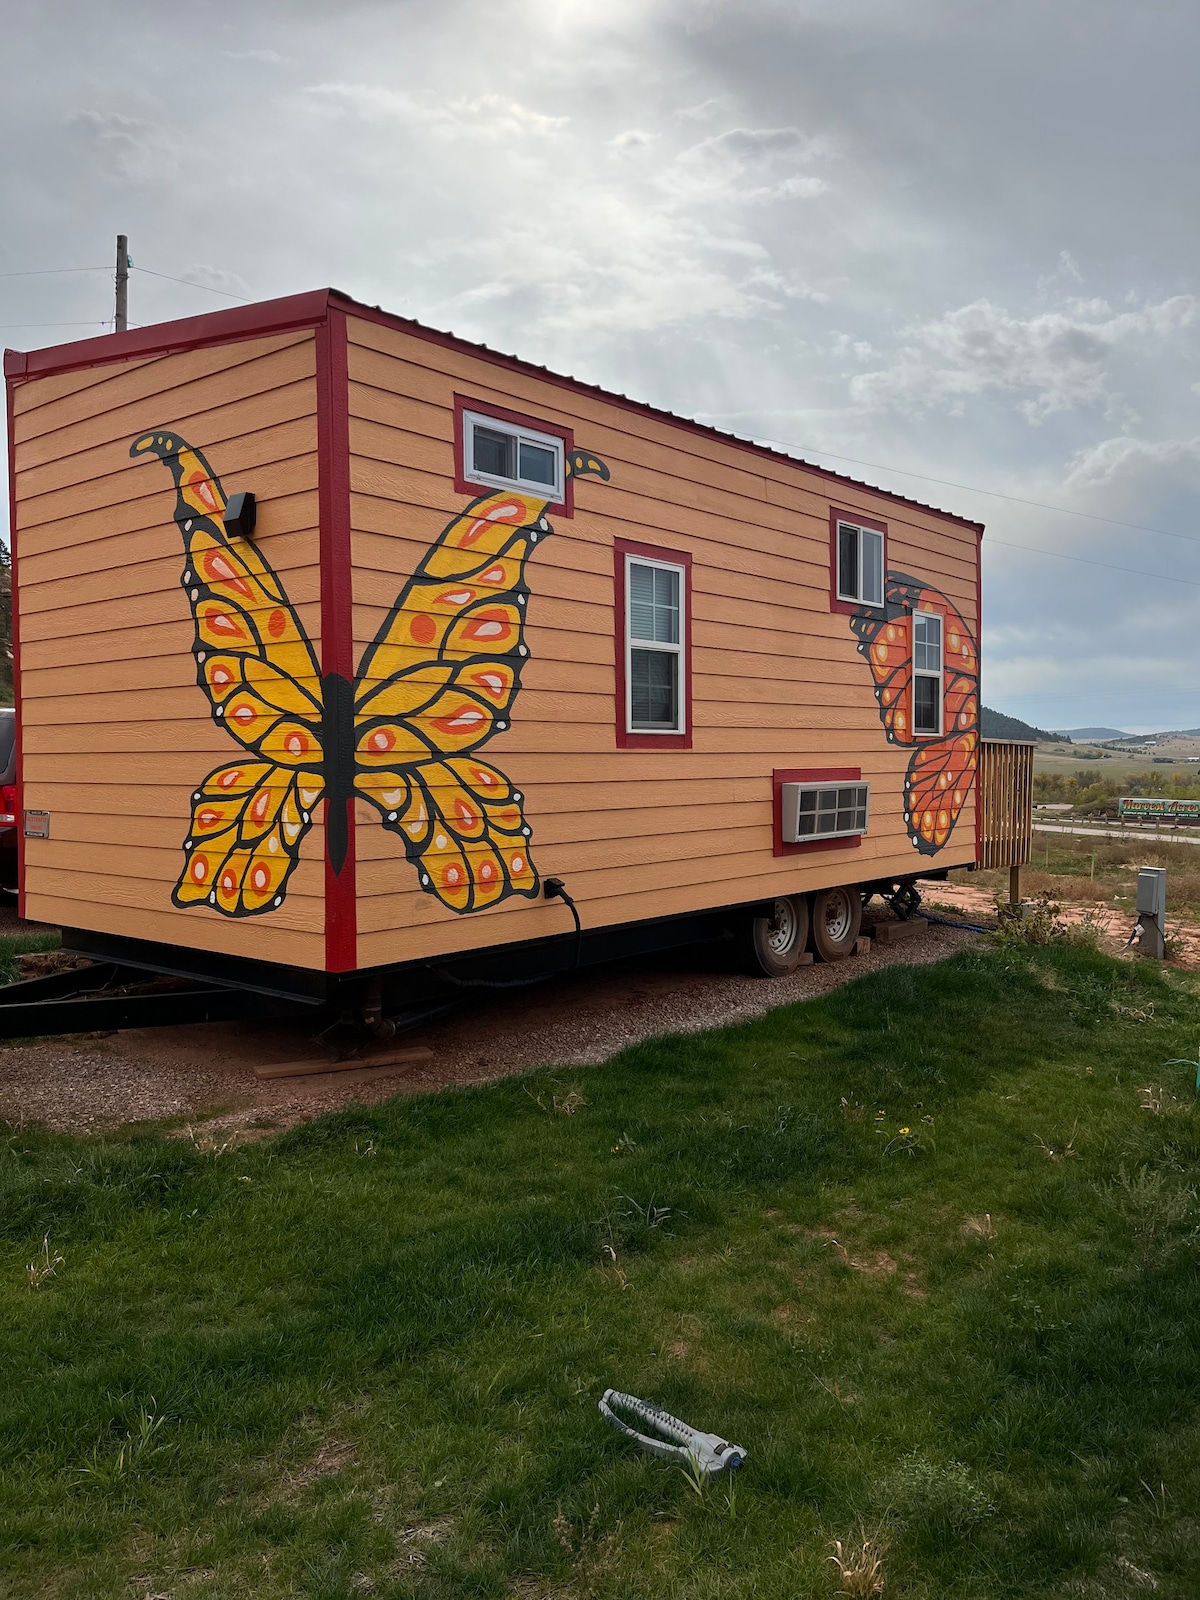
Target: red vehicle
x=8 y=800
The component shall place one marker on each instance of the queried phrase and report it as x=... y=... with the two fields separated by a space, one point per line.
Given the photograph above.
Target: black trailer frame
x=136 y=983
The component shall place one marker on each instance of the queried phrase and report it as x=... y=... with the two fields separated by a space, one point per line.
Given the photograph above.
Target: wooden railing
x=1005 y=802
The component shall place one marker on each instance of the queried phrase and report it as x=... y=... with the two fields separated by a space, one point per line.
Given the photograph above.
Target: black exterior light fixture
x=240 y=515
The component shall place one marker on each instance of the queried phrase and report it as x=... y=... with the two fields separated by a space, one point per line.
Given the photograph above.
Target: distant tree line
x=995 y=725
x=1099 y=793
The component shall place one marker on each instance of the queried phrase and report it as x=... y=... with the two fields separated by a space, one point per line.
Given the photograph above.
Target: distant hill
x=995 y=725
x=1090 y=735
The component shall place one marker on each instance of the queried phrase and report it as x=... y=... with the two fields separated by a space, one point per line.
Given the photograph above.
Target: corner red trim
x=847 y=608
x=337 y=621
x=783 y=775
x=16 y=641
x=167 y=338
x=680 y=558
x=517 y=419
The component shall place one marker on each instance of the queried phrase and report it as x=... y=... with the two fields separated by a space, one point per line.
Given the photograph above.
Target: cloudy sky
x=948 y=246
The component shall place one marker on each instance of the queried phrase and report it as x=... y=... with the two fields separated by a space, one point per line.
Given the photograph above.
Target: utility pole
x=121 y=321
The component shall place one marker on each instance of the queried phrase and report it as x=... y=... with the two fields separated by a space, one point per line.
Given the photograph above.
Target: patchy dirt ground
x=203 y=1075
x=968 y=901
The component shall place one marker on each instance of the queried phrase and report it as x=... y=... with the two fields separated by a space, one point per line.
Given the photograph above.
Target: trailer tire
x=773 y=945
x=836 y=919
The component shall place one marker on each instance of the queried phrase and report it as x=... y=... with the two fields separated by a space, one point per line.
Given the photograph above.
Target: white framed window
x=860 y=564
x=824 y=811
x=927 y=672
x=655 y=625
x=500 y=455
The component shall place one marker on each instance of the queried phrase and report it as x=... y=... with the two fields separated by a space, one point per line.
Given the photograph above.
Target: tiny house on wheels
x=352 y=654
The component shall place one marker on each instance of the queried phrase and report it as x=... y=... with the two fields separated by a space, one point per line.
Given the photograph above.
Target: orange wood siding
x=778 y=681
x=115 y=733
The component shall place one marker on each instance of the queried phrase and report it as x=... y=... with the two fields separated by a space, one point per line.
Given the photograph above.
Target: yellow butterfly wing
x=260 y=676
x=436 y=683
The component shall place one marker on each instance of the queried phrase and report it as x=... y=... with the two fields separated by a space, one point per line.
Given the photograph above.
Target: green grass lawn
x=927 y=1248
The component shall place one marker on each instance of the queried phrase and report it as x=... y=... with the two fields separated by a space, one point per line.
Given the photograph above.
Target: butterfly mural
x=941 y=769
x=438 y=681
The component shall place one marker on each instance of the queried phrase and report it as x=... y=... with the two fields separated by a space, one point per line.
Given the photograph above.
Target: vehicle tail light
x=8 y=805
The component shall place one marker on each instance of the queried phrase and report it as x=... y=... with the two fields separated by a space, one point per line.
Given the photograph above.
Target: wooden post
x=121 y=320
x=1014 y=886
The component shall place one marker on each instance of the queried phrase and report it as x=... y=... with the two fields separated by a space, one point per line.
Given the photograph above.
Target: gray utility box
x=1152 y=892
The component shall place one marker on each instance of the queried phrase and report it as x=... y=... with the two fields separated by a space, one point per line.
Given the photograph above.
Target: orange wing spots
x=495 y=681
x=493 y=627
x=487 y=874
x=201 y=487
x=219 y=569
x=244 y=714
x=386 y=743
x=220 y=677
x=277 y=624
x=464 y=723
x=220 y=626
x=422 y=628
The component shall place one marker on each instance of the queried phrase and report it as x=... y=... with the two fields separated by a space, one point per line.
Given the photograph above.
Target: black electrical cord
x=553 y=889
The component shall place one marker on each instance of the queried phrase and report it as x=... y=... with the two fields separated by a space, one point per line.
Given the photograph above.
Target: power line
x=93 y=322
x=973 y=488
x=1134 y=572
x=49 y=272
x=189 y=284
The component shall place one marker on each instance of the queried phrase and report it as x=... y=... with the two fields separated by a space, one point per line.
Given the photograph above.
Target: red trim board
x=678 y=558
x=783 y=775
x=19 y=814
x=166 y=338
x=337 y=630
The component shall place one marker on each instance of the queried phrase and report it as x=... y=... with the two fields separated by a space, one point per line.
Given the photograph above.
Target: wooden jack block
x=889 y=932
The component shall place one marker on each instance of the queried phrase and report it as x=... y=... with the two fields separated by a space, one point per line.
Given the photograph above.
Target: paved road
x=1174 y=836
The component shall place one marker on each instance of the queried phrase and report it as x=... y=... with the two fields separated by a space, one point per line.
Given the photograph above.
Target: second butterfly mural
x=942 y=767
x=437 y=682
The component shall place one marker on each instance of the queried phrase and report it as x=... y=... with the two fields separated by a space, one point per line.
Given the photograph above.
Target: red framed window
x=842 y=781
x=495 y=448
x=857 y=561
x=653 y=593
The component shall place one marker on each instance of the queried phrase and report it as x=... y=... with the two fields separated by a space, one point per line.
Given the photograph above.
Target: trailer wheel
x=836 y=919
x=774 y=944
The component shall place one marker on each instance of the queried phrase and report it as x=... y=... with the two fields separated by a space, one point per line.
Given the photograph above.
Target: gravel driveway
x=204 y=1074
